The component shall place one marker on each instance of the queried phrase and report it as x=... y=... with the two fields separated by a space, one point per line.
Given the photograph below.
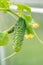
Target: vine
x=24 y=24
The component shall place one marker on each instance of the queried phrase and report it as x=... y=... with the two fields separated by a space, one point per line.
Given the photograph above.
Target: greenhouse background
x=32 y=50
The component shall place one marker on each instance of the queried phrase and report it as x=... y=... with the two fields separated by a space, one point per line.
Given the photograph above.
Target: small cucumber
x=19 y=32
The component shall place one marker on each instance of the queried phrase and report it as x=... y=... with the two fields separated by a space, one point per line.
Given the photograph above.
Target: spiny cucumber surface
x=19 y=31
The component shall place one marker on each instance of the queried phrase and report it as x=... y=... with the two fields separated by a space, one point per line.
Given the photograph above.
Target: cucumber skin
x=19 y=31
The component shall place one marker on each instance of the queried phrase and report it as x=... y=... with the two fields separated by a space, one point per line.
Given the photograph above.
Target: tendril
x=38 y=37
x=8 y=57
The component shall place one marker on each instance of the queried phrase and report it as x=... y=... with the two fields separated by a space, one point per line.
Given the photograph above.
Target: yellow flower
x=29 y=36
x=35 y=25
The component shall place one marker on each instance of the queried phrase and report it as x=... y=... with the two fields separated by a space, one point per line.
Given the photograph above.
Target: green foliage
x=4 y=5
x=23 y=7
x=3 y=39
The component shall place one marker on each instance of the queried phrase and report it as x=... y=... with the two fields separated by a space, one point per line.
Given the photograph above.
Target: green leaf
x=3 y=39
x=4 y=5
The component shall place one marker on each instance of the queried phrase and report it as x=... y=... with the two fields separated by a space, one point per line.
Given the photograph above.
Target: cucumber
x=19 y=31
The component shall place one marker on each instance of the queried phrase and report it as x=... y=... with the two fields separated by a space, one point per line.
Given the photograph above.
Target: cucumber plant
x=24 y=24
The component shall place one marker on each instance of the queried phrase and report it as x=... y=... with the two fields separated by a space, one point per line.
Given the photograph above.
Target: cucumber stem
x=13 y=12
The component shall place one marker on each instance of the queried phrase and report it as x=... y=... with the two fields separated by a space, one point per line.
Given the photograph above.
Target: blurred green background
x=32 y=50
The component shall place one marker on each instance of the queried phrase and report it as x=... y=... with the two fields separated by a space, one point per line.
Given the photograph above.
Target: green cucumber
x=19 y=32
